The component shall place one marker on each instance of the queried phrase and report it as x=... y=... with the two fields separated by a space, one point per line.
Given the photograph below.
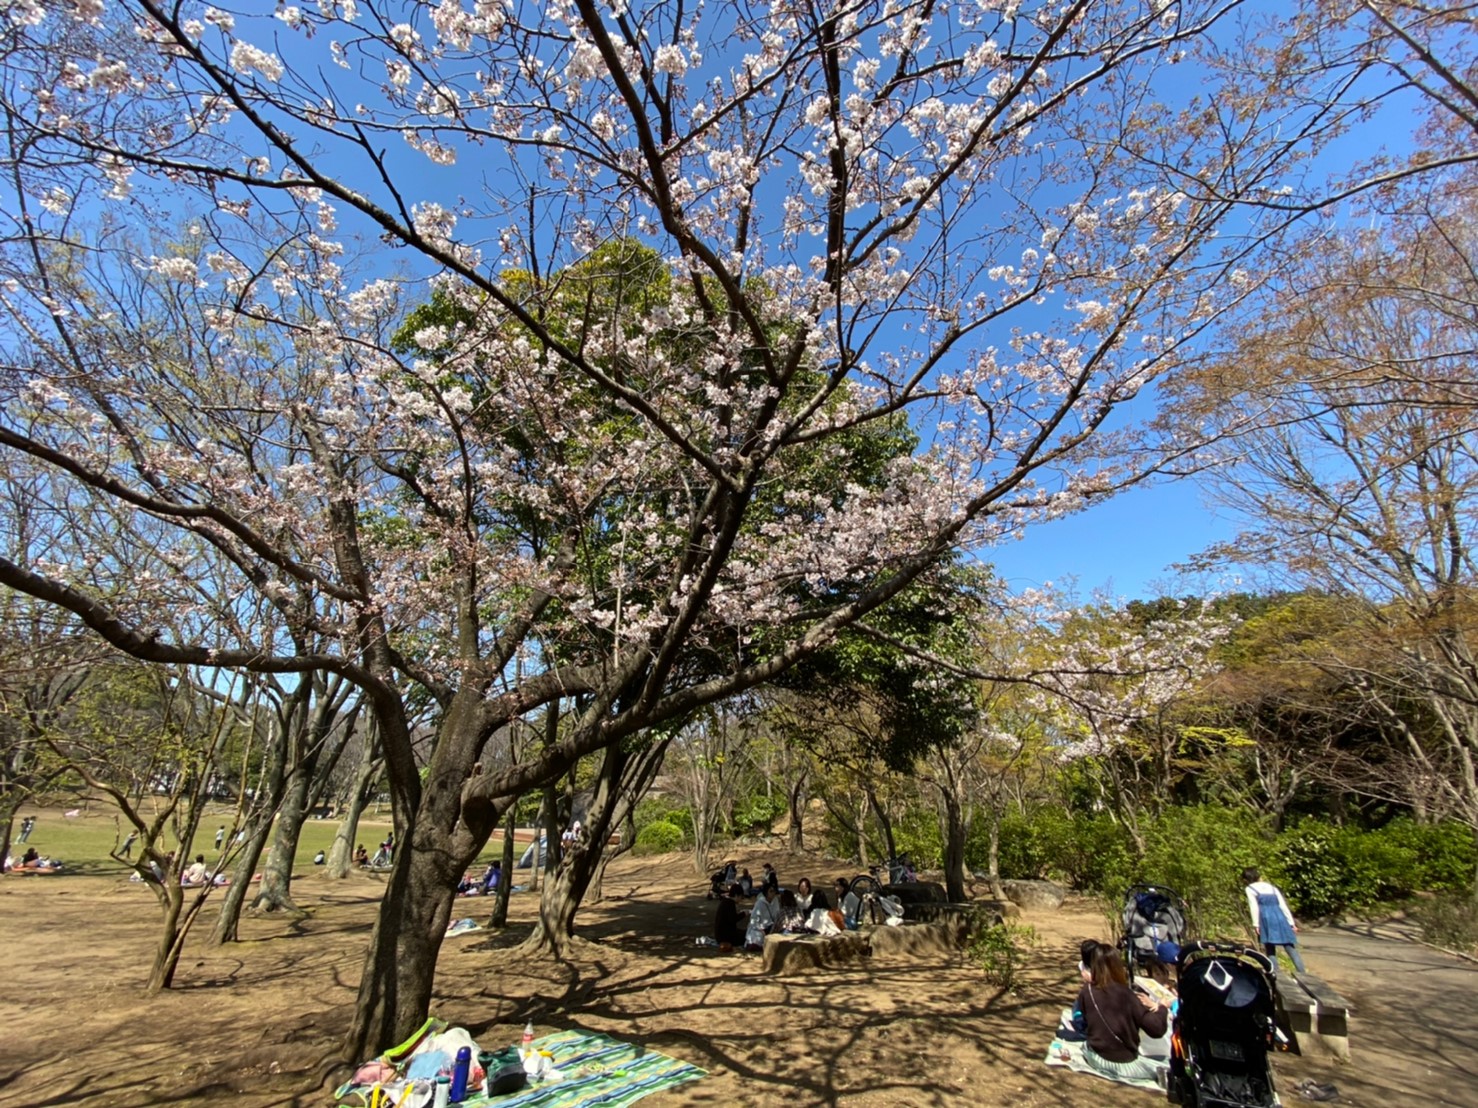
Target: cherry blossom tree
x=1000 y=223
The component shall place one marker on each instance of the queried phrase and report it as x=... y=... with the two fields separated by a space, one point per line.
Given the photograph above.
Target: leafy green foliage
x=1324 y=870
x=758 y=812
x=660 y=837
x=1001 y=949
x=920 y=835
x=664 y=809
x=1450 y=922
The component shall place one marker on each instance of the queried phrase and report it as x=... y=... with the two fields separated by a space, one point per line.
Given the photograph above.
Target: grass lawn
x=84 y=842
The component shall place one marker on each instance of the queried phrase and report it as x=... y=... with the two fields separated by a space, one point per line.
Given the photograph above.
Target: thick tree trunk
x=505 y=881
x=624 y=777
x=171 y=938
x=955 y=834
x=993 y=863
x=400 y=965
x=275 y=893
x=395 y=990
x=341 y=856
x=236 y=892
x=796 y=837
x=563 y=892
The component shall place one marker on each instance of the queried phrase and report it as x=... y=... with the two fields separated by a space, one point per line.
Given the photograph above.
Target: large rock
x=933 y=942
x=917 y=892
x=1045 y=895
x=787 y=955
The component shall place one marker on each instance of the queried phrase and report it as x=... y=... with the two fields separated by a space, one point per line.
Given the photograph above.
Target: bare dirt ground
x=255 y=1023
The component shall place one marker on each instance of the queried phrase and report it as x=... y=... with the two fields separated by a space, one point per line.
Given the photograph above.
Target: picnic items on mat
x=568 y=1069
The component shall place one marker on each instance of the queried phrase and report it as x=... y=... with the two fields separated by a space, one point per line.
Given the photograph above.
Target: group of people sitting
x=778 y=911
x=1109 y=1015
x=32 y=862
x=484 y=884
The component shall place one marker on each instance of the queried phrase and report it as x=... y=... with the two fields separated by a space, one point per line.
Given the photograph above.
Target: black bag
x=507 y=1078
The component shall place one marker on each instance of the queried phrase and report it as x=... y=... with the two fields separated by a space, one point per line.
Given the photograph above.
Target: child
x=1271 y=917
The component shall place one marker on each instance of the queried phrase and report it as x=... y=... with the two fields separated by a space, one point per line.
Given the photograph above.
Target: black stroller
x=1224 y=1029
x=1154 y=926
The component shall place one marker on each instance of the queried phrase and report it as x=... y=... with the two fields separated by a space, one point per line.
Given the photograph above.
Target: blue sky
x=1124 y=546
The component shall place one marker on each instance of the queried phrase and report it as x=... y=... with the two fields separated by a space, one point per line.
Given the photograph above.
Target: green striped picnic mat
x=595 y=1070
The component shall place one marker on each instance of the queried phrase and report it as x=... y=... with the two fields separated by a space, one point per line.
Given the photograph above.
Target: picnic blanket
x=595 y=1070
x=1069 y=1055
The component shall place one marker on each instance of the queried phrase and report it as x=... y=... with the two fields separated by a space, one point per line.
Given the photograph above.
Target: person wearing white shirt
x=195 y=873
x=1272 y=918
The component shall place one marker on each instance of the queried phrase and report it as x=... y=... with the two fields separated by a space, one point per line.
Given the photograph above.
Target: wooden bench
x=1316 y=1015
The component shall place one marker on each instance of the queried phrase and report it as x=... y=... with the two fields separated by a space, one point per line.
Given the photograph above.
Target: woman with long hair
x=1114 y=1015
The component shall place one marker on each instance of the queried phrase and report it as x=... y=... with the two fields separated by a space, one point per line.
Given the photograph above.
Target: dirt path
x=1414 y=1031
x=257 y=1023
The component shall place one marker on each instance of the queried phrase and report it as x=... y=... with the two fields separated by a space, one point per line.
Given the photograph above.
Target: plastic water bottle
x=460 y=1070
x=441 y=1098
x=528 y=1039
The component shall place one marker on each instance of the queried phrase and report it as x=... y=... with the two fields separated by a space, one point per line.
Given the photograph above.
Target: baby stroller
x=1224 y=1029
x=1154 y=926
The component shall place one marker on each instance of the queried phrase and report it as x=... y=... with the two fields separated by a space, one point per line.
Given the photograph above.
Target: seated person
x=1114 y=1015
x=361 y=855
x=764 y=919
x=194 y=873
x=727 y=929
x=770 y=879
x=848 y=902
x=470 y=885
x=746 y=884
x=319 y=858
x=805 y=896
x=1154 y=981
x=491 y=878
x=792 y=918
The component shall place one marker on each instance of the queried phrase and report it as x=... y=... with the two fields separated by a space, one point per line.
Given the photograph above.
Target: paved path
x=1414 y=1029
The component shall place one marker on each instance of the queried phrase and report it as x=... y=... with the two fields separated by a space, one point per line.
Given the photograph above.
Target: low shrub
x=1450 y=922
x=659 y=838
x=758 y=813
x=1444 y=854
x=1200 y=852
x=665 y=809
x=1001 y=949
x=1324 y=869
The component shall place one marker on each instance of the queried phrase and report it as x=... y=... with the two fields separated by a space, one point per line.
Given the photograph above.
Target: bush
x=1001 y=950
x=1324 y=870
x=1308 y=870
x=1036 y=845
x=665 y=809
x=1450 y=922
x=1445 y=854
x=660 y=837
x=758 y=813
x=1200 y=852
x=1098 y=855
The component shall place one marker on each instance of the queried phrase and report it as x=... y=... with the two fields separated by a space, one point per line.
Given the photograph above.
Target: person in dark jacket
x=726 y=929
x=1114 y=1015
